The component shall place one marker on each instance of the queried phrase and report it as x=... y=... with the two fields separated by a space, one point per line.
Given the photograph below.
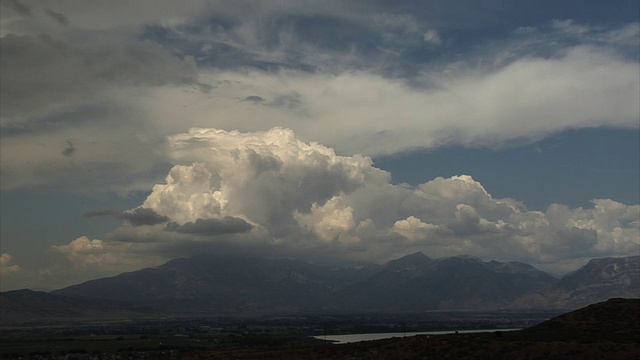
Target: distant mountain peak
x=416 y=256
x=410 y=261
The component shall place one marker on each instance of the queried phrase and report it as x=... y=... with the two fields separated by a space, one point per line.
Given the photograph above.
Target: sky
x=134 y=132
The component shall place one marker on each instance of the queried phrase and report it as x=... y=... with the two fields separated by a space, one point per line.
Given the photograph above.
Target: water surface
x=350 y=338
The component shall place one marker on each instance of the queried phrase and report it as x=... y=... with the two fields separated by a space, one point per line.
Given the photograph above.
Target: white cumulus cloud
x=84 y=251
x=6 y=267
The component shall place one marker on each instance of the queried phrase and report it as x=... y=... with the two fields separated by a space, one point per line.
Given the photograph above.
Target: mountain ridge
x=224 y=285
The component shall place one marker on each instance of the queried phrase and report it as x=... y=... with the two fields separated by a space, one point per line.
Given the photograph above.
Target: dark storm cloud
x=571 y=241
x=101 y=212
x=226 y=225
x=59 y=18
x=77 y=117
x=143 y=216
x=27 y=11
x=69 y=149
x=254 y=99
x=49 y=73
x=136 y=217
x=90 y=177
x=290 y=101
x=17 y=6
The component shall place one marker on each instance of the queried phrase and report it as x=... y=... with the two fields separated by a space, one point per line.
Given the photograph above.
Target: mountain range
x=225 y=285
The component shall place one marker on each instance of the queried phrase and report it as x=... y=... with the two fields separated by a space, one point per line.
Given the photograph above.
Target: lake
x=350 y=338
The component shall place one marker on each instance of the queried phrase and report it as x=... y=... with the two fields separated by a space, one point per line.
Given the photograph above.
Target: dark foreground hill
x=616 y=320
x=608 y=330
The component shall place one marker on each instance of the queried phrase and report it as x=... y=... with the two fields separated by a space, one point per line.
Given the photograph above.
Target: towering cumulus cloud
x=272 y=193
x=270 y=180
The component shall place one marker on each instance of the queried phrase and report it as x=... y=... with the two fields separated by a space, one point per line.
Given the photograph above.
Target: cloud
x=62 y=74
x=137 y=217
x=142 y=216
x=268 y=175
x=332 y=221
x=413 y=228
x=204 y=227
x=98 y=16
x=432 y=37
x=253 y=98
x=93 y=253
x=59 y=18
x=380 y=81
x=359 y=112
x=368 y=93
x=269 y=193
x=19 y=7
x=101 y=212
x=69 y=149
x=5 y=265
x=83 y=259
x=58 y=90
x=83 y=251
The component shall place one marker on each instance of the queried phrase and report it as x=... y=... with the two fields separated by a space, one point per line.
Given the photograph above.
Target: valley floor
x=607 y=330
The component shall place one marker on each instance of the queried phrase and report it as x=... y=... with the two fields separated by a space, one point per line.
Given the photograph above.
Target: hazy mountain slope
x=213 y=283
x=598 y=280
x=417 y=283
